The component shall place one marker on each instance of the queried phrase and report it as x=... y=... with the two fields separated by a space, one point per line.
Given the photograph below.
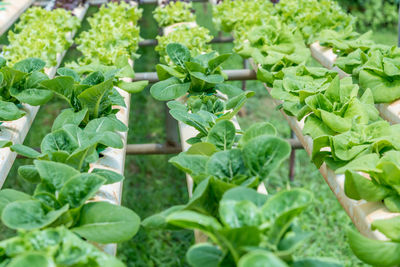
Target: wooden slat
x=13 y=9
x=361 y=212
x=16 y=131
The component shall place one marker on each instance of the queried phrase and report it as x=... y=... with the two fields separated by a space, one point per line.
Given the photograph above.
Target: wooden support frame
x=361 y=212
x=14 y=9
x=16 y=131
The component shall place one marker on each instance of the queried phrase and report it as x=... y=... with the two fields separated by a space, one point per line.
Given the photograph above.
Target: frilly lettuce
x=240 y=14
x=309 y=16
x=173 y=12
x=313 y=16
x=195 y=39
x=114 y=34
x=41 y=34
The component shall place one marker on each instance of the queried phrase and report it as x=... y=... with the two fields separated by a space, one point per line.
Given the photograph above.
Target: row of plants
x=372 y=65
x=59 y=220
x=113 y=35
x=49 y=38
x=347 y=132
x=20 y=80
x=243 y=227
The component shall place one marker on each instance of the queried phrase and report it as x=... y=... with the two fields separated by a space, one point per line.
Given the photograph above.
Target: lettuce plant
x=381 y=74
x=41 y=34
x=61 y=198
x=245 y=162
x=195 y=39
x=53 y=247
x=19 y=84
x=378 y=137
x=274 y=50
x=309 y=17
x=193 y=75
x=313 y=16
x=114 y=33
x=173 y=12
x=239 y=15
x=381 y=185
x=244 y=228
x=91 y=87
x=294 y=85
x=338 y=108
x=68 y=143
x=203 y=111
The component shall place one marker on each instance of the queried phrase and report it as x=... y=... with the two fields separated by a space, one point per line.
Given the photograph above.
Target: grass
x=153 y=185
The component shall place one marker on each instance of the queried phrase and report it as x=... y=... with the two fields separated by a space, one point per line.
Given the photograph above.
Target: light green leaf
x=29 y=215
x=222 y=135
x=104 y=223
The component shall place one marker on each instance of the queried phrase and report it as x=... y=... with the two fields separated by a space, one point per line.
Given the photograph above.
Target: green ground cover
x=152 y=184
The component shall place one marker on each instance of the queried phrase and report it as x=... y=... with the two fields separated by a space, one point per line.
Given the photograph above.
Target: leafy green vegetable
x=242 y=224
x=41 y=34
x=114 y=34
x=294 y=85
x=378 y=137
x=310 y=17
x=381 y=185
x=195 y=39
x=173 y=12
x=195 y=75
x=258 y=156
x=60 y=198
x=380 y=73
x=53 y=247
x=338 y=108
x=69 y=144
x=22 y=84
x=274 y=47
